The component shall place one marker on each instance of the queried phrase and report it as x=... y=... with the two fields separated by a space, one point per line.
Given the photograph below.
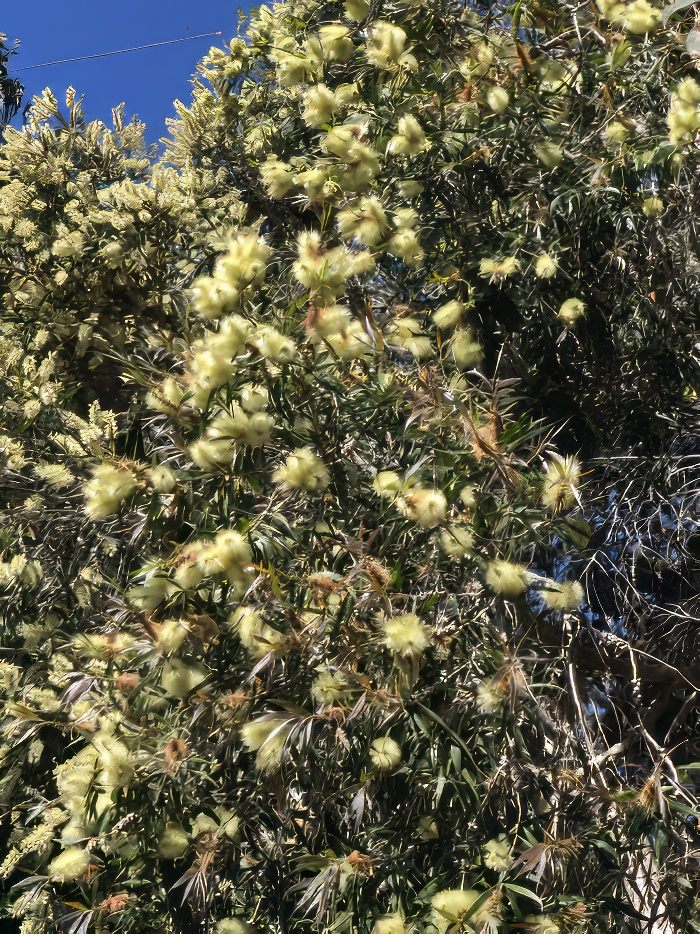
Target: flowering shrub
x=308 y=432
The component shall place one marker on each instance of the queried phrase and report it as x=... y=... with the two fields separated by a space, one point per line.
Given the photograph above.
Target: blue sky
x=147 y=81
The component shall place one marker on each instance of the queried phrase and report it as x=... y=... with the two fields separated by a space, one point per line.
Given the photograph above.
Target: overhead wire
x=137 y=48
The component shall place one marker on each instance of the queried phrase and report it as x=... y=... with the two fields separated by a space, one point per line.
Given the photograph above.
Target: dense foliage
x=349 y=484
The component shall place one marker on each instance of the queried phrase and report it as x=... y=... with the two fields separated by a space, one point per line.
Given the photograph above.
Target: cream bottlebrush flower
x=410 y=188
x=639 y=18
x=506 y=578
x=163 y=479
x=115 y=761
x=329 y=687
x=490 y=695
x=466 y=350
x=253 y=398
x=390 y=924
x=174 y=841
x=342 y=140
x=267 y=736
x=320 y=105
x=234 y=926
x=426 y=507
x=168 y=398
x=317 y=184
x=303 y=470
x=351 y=342
x=571 y=311
x=684 y=114
x=228 y=554
x=294 y=68
x=561 y=482
x=479 y=62
x=69 y=865
x=241 y=269
x=255 y=635
x=212 y=297
x=449 y=315
x=277 y=177
x=109 y=488
x=406 y=635
x=74 y=779
x=406 y=246
x=653 y=206
x=410 y=139
x=457 y=541
x=542 y=924
x=498 y=269
x=388 y=484
x=386 y=47
x=361 y=168
x=497 y=99
x=9 y=676
x=356 y=9
x=179 y=678
x=366 y=220
x=332 y=43
x=156 y=588
x=348 y=94
x=273 y=345
x=549 y=153
x=213 y=358
x=566 y=596
x=616 y=132
x=385 y=754
x=612 y=10
x=497 y=855
x=327 y=322
x=172 y=634
x=407 y=333
x=451 y=905
x=324 y=272
x=545 y=266
x=227 y=432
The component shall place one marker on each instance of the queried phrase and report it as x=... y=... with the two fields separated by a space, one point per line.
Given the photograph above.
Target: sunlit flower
x=356 y=9
x=457 y=541
x=498 y=269
x=390 y=924
x=498 y=99
x=426 y=507
x=545 y=266
x=320 y=105
x=69 y=865
x=406 y=635
x=410 y=139
x=506 y=578
x=566 y=596
x=329 y=687
x=497 y=855
x=449 y=315
x=303 y=470
x=385 y=754
x=386 y=47
x=108 y=489
x=571 y=311
x=562 y=478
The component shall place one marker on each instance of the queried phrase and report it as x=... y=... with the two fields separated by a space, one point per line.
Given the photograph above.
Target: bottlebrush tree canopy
x=349 y=484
